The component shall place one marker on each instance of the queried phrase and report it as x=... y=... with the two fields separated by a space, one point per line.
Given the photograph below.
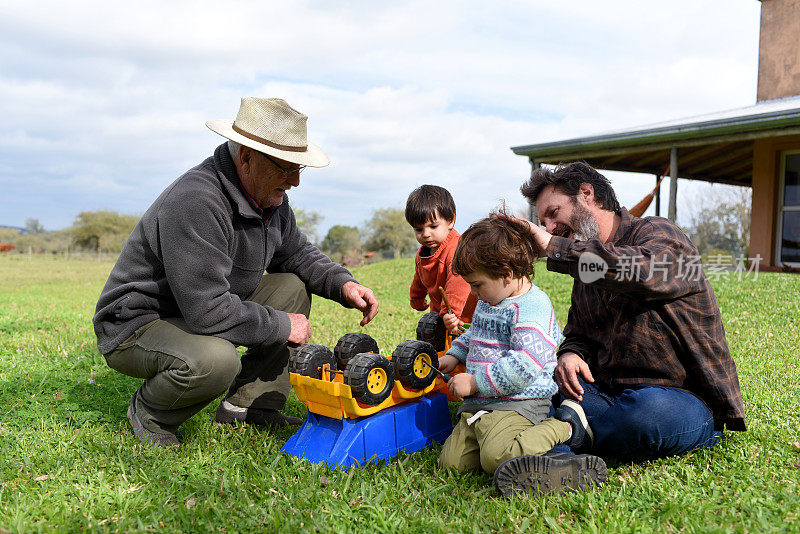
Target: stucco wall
x=764 y=219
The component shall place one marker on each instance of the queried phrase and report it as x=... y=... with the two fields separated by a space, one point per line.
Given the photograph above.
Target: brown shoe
x=550 y=474
x=230 y=413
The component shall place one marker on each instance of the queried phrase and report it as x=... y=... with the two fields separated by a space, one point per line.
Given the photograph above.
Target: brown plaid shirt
x=652 y=318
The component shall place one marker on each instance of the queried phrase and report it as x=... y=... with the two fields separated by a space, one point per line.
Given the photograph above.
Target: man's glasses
x=286 y=172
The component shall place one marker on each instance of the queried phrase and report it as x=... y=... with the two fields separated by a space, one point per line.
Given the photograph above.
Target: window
x=789 y=210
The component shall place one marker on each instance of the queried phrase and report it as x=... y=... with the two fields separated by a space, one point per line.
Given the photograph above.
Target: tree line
x=719 y=224
x=386 y=234
x=719 y=221
x=91 y=231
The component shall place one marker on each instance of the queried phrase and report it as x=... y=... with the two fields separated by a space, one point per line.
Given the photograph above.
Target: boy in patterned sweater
x=510 y=354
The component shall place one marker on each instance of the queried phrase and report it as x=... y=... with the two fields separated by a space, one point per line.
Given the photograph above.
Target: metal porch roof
x=717 y=147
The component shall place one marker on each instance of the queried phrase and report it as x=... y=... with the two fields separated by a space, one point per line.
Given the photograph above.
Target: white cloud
x=104 y=105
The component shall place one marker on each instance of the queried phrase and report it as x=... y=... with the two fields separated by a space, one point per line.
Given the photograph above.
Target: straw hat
x=272 y=126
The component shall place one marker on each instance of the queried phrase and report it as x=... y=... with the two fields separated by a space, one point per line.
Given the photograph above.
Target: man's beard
x=584 y=225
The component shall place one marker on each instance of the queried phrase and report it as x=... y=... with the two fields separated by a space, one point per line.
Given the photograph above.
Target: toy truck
x=363 y=405
x=355 y=380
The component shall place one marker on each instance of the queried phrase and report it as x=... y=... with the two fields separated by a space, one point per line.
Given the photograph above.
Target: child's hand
x=463 y=385
x=452 y=323
x=419 y=305
x=447 y=363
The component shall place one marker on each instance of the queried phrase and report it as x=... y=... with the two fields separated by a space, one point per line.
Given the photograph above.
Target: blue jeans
x=647 y=422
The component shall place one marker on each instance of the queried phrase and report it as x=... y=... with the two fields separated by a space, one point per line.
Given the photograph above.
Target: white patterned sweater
x=511 y=348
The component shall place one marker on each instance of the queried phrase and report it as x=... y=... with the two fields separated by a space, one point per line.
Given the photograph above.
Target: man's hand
x=566 y=375
x=447 y=363
x=453 y=323
x=362 y=299
x=540 y=235
x=462 y=385
x=301 y=329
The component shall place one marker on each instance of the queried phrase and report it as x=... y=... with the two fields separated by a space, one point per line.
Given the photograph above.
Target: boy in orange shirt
x=431 y=211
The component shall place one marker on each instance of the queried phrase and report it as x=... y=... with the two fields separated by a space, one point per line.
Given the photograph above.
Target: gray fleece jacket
x=199 y=252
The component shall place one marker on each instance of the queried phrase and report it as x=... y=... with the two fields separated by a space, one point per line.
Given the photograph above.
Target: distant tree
x=341 y=241
x=720 y=220
x=57 y=241
x=308 y=222
x=388 y=230
x=106 y=230
x=9 y=235
x=32 y=226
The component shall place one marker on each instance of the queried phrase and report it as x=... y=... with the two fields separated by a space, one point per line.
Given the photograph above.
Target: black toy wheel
x=309 y=359
x=431 y=329
x=370 y=377
x=412 y=364
x=351 y=344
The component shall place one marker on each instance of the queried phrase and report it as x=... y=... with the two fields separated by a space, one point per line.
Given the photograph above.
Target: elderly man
x=190 y=284
x=644 y=353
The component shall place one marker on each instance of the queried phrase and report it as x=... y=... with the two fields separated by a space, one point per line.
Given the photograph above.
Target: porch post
x=673 y=184
x=532 y=215
x=658 y=198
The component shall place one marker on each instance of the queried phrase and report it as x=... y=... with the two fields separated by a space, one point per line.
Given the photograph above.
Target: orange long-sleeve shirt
x=434 y=271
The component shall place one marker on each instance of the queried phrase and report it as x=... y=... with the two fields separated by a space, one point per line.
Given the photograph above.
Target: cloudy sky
x=103 y=106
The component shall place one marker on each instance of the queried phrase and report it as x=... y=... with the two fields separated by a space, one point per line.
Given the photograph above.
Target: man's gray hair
x=233 y=149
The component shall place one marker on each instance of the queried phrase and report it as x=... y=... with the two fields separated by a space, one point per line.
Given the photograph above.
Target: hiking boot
x=582 y=436
x=550 y=474
x=230 y=413
x=163 y=438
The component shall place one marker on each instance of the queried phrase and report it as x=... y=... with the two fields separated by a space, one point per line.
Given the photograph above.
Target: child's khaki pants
x=496 y=437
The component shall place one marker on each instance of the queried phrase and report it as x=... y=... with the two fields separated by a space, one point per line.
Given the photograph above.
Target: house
x=756 y=146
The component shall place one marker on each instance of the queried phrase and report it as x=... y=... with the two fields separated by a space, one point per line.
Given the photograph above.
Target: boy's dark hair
x=425 y=201
x=496 y=245
x=567 y=179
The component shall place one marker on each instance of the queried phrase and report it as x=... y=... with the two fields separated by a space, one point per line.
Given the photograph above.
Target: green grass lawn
x=69 y=462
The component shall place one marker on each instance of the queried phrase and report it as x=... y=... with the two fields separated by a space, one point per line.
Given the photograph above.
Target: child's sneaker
x=550 y=474
x=582 y=436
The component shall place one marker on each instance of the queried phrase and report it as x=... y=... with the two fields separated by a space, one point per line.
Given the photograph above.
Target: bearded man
x=644 y=352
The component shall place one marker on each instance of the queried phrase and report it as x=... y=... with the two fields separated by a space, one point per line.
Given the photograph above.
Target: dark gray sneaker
x=550 y=474
x=163 y=439
x=582 y=436
x=230 y=413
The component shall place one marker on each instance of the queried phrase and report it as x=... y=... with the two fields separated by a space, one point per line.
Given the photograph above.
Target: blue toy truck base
x=344 y=442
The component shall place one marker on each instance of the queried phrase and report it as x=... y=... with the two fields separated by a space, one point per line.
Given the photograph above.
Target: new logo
x=591 y=267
